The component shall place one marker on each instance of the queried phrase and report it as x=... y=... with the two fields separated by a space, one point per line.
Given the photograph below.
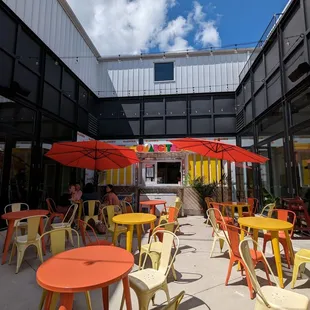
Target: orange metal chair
x=284 y=215
x=253 y=207
x=257 y=256
x=90 y=237
x=51 y=205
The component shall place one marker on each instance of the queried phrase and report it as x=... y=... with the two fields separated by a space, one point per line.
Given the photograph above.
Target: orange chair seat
x=256 y=256
x=100 y=242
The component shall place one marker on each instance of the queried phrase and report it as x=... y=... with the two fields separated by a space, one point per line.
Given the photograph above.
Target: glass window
x=164 y=71
x=247 y=138
x=300 y=108
x=20 y=171
x=302 y=162
x=271 y=124
x=168 y=173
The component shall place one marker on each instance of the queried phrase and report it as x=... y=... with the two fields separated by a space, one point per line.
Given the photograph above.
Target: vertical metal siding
x=48 y=20
x=199 y=74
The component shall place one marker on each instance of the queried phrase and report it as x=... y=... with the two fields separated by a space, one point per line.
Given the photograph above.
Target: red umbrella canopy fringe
x=219 y=150
x=95 y=155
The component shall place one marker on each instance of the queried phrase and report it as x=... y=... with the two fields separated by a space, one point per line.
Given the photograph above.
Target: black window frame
x=157 y=79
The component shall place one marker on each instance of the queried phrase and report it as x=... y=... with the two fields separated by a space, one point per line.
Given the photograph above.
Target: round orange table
x=84 y=269
x=11 y=217
x=152 y=204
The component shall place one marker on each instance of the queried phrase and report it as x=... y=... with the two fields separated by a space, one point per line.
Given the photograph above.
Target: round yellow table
x=274 y=226
x=131 y=219
x=234 y=205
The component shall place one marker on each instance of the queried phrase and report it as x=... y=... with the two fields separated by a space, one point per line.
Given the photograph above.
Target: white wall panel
x=196 y=74
x=49 y=21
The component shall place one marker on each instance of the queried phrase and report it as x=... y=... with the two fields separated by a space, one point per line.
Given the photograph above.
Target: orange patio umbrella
x=219 y=150
x=95 y=155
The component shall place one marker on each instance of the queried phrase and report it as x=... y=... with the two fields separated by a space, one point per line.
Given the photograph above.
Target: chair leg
x=88 y=300
x=213 y=246
x=20 y=256
x=249 y=283
x=264 y=245
x=165 y=289
x=122 y=302
x=267 y=272
x=140 y=259
x=44 y=294
x=70 y=237
x=174 y=273
x=231 y=262
x=13 y=251
x=221 y=244
x=295 y=273
x=39 y=250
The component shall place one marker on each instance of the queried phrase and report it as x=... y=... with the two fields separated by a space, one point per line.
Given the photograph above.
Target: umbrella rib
x=105 y=152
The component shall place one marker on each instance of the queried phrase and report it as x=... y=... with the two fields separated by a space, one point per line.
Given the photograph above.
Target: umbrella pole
x=222 y=189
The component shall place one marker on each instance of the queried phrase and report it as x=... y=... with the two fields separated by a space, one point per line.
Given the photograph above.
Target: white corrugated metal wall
x=49 y=21
x=194 y=74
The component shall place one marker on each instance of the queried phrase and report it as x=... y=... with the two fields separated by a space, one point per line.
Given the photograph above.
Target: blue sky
x=238 y=21
x=146 y=26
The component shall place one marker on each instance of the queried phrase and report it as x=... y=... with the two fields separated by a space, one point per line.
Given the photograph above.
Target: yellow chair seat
x=304 y=254
x=279 y=298
x=120 y=228
x=146 y=279
x=24 y=238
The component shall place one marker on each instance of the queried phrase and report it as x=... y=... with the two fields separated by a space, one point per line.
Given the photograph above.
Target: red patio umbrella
x=219 y=150
x=95 y=155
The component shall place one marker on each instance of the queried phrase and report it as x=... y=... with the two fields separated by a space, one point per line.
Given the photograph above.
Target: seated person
x=71 y=197
x=110 y=198
x=89 y=193
x=77 y=193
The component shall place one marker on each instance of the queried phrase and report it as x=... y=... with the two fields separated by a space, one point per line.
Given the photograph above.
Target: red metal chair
x=253 y=207
x=90 y=238
x=257 y=256
x=51 y=205
x=284 y=215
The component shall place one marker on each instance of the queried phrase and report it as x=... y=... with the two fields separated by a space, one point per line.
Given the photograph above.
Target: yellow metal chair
x=93 y=207
x=173 y=304
x=165 y=213
x=126 y=207
x=157 y=246
x=21 y=243
x=15 y=207
x=270 y=297
x=110 y=225
x=267 y=209
x=218 y=233
x=58 y=245
x=301 y=258
x=67 y=221
x=146 y=282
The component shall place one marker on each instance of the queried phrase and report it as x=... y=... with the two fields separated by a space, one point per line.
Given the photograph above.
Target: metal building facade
x=56 y=25
x=194 y=72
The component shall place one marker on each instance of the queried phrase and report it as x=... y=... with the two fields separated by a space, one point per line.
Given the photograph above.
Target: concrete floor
x=202 y=278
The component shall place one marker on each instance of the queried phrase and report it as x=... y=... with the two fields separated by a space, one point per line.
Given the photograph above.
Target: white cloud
x=135 y=26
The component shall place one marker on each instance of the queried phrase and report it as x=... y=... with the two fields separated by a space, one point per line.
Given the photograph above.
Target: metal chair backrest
x=234 y=239
x=207 y=201
x=58 y=239
x=174 y=302
x=178 y=203
x=245 y=253
x=268 y=208
x=51 y=205
x=173 y=214
x=110 y=214
x=214 y=214
x=166 y=260
x=91 y=207
x=126 y=207
x=88 y=236
x=33 y=223
x=287 y=216
x=67 y=219
x=15 y=207
x=254 y=204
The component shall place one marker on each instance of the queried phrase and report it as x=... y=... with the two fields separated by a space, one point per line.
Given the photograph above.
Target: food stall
x=163 y=173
